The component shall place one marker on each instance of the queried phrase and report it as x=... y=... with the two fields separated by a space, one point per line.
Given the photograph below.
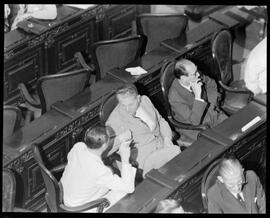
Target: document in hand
x=135 y=71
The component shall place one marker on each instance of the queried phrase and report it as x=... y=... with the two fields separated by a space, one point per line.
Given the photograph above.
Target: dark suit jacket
x=220 y=200
x=187 y=109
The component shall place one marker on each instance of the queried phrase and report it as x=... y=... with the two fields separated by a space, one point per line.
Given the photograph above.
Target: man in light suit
x=236 y=191
x=151 y=133
x=193 y=98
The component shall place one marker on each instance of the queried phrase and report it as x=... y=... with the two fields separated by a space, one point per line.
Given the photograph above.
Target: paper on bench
x=251 y=123
x=135 y=71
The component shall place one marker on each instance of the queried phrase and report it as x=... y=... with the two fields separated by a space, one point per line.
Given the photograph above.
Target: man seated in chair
x=86 y=178
x=193 y=98
x=256 y=70
x=151 y=133
x=236 y=190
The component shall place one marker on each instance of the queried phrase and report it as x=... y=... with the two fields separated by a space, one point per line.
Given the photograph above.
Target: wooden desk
x=261 y=99
x=53 y=50
x=17 y=155
x=188 y=167
x=195 y=36
x=80 y=104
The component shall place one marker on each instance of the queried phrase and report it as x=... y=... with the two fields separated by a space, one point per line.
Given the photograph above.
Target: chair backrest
x=158 y=27
x=208 y=180
x=107 y=106
x=12 y=120
x=8 y=190
x=52 y=195
x=166 y=79
x=60 y=87
x=222 y=55
x=115 y=53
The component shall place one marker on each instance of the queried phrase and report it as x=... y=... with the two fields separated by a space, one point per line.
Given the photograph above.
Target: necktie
x=239 y=198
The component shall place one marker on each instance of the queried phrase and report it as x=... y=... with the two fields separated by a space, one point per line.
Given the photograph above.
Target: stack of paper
x=135 y=71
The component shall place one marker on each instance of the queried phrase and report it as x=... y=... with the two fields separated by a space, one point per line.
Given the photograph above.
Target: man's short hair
x=228 y=165
x=127 y=89
x=96 y=136
x=180 y=69
x=167 y=206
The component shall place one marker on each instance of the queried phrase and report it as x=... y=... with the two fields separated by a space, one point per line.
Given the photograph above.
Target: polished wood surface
x=57 y=130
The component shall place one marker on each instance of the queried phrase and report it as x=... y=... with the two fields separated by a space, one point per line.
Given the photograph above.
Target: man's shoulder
x=251 y=175
x=213 y=191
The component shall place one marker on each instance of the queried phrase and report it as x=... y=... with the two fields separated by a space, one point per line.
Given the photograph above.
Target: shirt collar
x=186 y=87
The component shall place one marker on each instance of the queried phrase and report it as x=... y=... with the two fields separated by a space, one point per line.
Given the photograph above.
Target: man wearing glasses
x=236 y=190
x=193 y=98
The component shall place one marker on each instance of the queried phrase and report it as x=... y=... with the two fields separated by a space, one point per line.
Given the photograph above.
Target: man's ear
x=220 y=179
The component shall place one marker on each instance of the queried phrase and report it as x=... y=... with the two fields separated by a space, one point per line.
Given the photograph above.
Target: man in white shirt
x=151 y=133
x=86 y=178
x=255 y=69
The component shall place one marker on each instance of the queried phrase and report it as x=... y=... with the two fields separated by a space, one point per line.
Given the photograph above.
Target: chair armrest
x=81 y=62
x=177 y=124
x=27 y=97
x=101 y=202
x=58 y=168
x=90 y=68
x=235 y=90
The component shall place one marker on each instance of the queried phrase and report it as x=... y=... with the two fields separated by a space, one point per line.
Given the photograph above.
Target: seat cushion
x=234 y=101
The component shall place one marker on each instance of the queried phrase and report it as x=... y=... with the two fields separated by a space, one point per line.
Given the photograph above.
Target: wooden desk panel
x=17 y=155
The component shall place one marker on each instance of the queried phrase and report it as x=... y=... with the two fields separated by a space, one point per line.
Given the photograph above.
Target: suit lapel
x=230 y=199
x=189 y=96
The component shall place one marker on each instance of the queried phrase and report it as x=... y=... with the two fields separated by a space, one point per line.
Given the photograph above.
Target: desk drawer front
x=27 y=69
x=69 y=43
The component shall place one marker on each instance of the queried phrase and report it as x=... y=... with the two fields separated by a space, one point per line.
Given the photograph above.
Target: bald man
x=236 y=190
x=193 y=98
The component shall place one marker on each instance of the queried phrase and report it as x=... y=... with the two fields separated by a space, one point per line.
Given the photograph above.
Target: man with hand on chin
x=193 y=98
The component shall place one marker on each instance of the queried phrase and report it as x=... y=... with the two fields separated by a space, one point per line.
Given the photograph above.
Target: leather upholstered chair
x=9 y=192
x=208 y=180
x=54 y=191
x=159 y=27
x=55 y=87
x=12 y=120
x=234 y=93
x=116 y=53
x=166 y=79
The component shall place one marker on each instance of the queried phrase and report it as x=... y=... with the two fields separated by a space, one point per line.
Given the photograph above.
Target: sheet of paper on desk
x=135 y=71
x=248 y=7
x=251 y=123
x=83 y=6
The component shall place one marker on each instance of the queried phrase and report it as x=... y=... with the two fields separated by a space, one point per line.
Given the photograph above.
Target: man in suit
x=193 y=98
x=151 y=133
x=236 y=191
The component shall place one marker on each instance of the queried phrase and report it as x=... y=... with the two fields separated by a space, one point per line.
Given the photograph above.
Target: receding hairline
x=230 y=168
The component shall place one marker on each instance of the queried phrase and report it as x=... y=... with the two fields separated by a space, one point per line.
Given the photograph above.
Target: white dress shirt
x=86 y=178
x=255 y=69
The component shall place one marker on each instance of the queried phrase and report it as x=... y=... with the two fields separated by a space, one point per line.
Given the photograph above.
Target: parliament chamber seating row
x=64 y=124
